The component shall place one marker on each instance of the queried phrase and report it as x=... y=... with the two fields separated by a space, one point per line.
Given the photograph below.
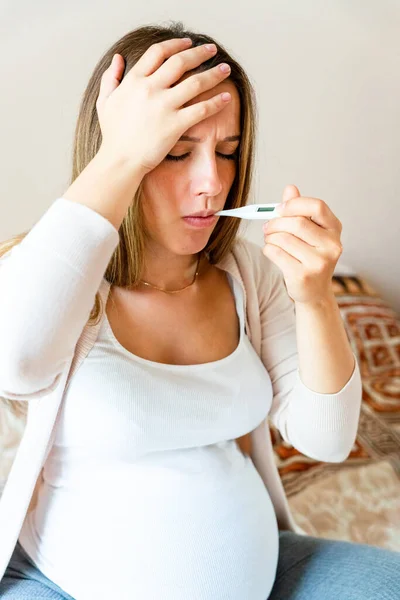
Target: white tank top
x=146 y=494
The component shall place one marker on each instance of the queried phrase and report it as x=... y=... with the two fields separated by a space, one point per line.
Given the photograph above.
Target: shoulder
x=264 y=283
x=249 y=256
x=263 y=280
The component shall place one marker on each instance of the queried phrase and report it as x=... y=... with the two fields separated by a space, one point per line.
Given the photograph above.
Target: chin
x=188 y=242
x=193 y=246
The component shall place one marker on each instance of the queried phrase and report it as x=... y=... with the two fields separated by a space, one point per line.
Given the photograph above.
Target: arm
x=49 y=281
x=320 y=425
x=107 y=185
x=326 y=360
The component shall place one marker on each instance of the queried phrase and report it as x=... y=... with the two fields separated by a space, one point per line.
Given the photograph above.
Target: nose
x=208 y=180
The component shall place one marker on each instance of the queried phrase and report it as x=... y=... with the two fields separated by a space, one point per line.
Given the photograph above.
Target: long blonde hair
x=126 y=264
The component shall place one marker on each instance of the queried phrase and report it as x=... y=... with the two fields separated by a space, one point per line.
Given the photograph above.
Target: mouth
x=201 y=221
x=202 y=213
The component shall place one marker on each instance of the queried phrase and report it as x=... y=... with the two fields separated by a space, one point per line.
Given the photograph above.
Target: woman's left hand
x=305 y=244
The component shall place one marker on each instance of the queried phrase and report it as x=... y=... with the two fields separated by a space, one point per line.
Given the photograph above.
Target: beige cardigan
x=322 y=426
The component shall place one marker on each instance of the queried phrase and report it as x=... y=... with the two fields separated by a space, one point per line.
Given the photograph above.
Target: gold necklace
x=174 y=291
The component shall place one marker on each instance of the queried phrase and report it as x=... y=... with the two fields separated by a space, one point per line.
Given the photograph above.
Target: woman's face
x=199 y=182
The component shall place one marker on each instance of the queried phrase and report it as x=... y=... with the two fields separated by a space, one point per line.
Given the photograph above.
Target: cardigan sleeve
x=321 y=426
x=48 y=286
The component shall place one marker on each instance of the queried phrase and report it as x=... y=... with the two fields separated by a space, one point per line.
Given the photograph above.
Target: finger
x=290 y=191
x=285 y=261
x=110 y=79
x=298 y=249
x=196 y=84
x=199 y=111
x=303 y=228
x=154 y=56
x=181 y=62
x=313 y=208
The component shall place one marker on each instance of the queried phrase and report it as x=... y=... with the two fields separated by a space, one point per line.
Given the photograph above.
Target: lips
x=203 y=213
x=196 y=221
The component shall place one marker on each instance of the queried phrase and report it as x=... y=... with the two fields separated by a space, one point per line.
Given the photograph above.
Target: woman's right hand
x=141 y=118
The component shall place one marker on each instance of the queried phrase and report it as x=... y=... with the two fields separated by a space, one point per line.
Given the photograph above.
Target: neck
x=171 y=272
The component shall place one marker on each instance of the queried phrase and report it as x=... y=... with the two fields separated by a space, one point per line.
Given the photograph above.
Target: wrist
x=106 y=185
x=121 y=166
x=320 y=304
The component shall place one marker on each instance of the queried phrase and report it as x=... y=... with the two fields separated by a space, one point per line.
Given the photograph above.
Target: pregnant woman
x=151 y=344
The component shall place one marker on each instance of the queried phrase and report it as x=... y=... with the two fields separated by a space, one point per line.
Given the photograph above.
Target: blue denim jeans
x=24 y=581
x=309 y=568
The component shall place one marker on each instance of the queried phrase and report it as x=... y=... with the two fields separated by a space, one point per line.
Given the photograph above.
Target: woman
x=146 y=341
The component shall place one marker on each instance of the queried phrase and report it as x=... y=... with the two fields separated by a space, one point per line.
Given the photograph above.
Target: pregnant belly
x=170 y=531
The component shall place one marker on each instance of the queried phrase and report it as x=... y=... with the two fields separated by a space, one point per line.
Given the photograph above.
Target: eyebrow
x=189 y=138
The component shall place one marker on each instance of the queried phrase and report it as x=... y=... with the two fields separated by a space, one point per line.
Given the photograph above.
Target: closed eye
x=183 y=156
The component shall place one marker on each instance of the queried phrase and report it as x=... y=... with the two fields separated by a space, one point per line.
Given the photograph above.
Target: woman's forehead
x=226 y=121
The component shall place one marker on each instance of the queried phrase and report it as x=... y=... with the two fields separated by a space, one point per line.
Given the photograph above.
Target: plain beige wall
x=327 y=81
